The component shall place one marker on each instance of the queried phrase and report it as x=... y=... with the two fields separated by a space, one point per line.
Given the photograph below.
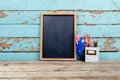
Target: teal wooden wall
x=20 y=25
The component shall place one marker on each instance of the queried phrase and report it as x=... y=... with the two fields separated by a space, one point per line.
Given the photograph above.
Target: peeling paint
x=15 y=51
x=25 y=22
x=54 y=11
x=16 y=40
x=33 y=44
x=26 y=38
x=1 y=39
x=32 y=49
x=80 y=10
x=93 y=16
x=11 y=11
x=5 y=45
x=1 y=50
x=108 y=45
x=89 y=24
x=21 y=50
x=96 y=12
x=109 y=42
x=8 y=39
x=18 y=50
x=3 y=15
x=35 y=39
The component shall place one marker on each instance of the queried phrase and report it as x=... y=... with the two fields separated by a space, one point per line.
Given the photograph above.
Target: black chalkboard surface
x=57 y=36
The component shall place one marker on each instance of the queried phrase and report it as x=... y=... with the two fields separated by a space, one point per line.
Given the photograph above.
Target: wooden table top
x=59 y=70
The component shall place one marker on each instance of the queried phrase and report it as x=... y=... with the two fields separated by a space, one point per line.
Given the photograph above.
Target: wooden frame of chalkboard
x=42 y=33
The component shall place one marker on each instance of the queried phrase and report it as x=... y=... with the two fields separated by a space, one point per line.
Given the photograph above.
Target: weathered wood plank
x=58 y=66
x=73 y=70
x=19 y=30
x=49 y=78
x=19 y=44
x=82 y=64
x=34 y=30
x=19 y=56
x=36 y=62
x=99 y=30
x=89 y=78
x=84 y=17
x=35 y=56
x=32 y=44
x=57 y=70
x=105 y=74
x=109 y=44
x=14 y=79
x=59 y=5
x=110 y=56
x=35 y=68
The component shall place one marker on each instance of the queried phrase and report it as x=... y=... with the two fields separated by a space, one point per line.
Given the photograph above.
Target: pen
x=95 y=43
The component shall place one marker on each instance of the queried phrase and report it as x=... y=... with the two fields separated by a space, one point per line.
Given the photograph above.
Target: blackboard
x=57 y=36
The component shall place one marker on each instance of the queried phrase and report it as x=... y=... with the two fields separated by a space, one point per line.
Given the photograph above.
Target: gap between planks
x=65 y=69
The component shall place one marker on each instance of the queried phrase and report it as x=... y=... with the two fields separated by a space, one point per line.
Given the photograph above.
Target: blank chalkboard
x=57 y=36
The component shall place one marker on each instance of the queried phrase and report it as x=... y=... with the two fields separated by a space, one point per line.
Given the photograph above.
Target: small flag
x=80 y=44
x=77 y=38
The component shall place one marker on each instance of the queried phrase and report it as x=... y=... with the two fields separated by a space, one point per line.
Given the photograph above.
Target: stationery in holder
x=90 y=46
x=92 y=54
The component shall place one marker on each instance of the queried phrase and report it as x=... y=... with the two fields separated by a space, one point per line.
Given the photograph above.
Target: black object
x=58 y=37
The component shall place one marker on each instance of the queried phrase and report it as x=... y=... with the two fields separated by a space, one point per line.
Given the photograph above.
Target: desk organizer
x=92 y=54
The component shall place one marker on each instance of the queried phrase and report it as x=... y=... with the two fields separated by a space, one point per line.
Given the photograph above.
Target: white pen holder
x=92 y=54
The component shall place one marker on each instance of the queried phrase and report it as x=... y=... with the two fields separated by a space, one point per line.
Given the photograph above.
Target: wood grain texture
x=110 y=56
x=20 y=30
x=34 y=30
x=65 y=70
x=32 y=44
x=83 y=17
x=22 y=56
x=99 y=30
x=64 y=79
x=56 y=66
x=19 y=44
x=70 y=79
x=60 y=5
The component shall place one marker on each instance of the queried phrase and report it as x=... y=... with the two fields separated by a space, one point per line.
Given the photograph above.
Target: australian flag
x=80 y=44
